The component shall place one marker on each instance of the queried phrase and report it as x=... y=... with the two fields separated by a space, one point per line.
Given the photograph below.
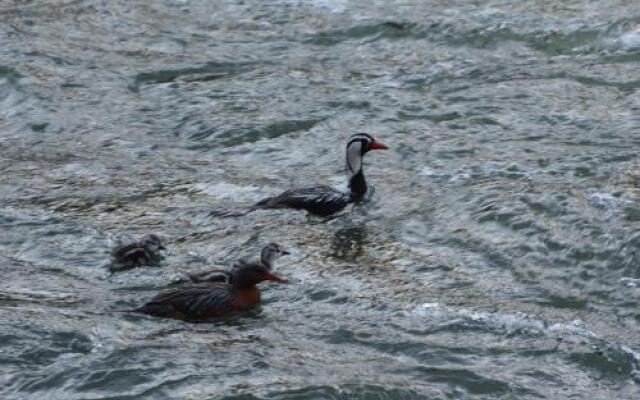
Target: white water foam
x=630 y=40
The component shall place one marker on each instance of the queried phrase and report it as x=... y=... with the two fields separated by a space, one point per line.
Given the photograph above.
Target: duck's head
x=252 y=274
x=359 y=145
x=152 y=243
x=270 y=253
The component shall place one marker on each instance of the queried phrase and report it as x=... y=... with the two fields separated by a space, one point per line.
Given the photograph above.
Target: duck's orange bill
x=274 y=278
x=379 y=146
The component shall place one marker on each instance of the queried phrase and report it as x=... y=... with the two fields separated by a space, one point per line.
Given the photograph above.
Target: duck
x=268 y=256
x=212 y=300
x=143 y=252
x=324 y=201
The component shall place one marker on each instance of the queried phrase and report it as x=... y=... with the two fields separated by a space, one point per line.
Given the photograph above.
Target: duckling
x=143 y=252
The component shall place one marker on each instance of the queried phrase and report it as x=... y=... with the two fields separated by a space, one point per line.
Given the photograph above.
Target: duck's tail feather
x=271 y=202
x=262 y=203
x=268 y=202
x=126 y=310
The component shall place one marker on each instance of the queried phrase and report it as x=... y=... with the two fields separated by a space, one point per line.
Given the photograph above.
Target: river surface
x=499 y=257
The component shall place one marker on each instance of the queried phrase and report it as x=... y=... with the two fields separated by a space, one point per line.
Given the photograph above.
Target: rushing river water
x=498 y=259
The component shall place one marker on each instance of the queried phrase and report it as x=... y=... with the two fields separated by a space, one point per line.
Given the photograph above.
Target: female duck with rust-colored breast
x=201 y=302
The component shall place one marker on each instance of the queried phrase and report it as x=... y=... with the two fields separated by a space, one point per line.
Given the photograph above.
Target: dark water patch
x=559 y=301
x=9 y=74
x=371 y=32
x=56 y=60
x=608 y=364
x=632 y=213
x=628 y=86
x=349 y=243
x=485 y=121
x=20 y=349
x=341 y=392
x=208 y=72
x=215 y=137
x=350 y=104
x=344 y=336
x=364 y=392
x=39 y=127
x=450 y=116
x=322 y=295
x=553 y=42
x=620 y=59
x=469 y=382
x=580 y=42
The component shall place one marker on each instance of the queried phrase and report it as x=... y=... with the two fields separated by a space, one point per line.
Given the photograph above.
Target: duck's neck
x=357 y=185
x=268 y=260
x=242 y=282
x=355 y=174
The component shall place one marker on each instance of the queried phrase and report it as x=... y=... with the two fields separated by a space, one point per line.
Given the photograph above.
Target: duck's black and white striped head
x=270 y=253
x=357 y=146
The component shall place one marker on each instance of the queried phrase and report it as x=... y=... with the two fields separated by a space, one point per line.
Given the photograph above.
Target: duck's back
x=319 y=200
x=195 y=302
x=129 y=255
x=121 y=250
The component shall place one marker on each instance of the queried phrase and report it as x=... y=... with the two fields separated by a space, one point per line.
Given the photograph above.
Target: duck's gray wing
x=211 y=276
x=243 y=262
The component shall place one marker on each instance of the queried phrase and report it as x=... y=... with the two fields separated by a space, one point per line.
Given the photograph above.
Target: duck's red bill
x=379 y=146
x=274 y=278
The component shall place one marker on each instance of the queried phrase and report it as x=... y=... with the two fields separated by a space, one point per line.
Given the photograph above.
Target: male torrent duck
x=325 y=200
x=201 y=302
x=268 y=256
x=145 y=251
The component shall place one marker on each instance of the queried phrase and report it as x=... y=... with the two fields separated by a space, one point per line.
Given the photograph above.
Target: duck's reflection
x=348 y=243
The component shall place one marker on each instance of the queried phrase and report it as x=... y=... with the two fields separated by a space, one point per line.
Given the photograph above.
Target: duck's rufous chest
x=246 y=298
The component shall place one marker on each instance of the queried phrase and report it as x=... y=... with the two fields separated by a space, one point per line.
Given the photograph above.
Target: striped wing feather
x=197 y=302
x=320 y=200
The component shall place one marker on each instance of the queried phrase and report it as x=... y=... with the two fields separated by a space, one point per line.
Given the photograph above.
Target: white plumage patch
x=354 y=157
